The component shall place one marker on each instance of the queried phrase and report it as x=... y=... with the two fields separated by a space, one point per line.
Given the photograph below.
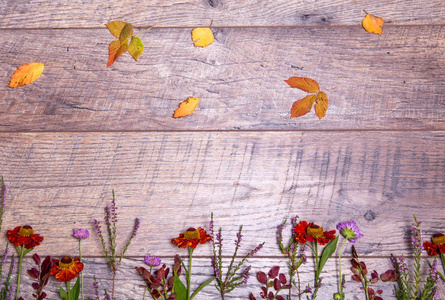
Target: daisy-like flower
x=437 y=246
x=350 y=231
x=24 y=235
x=81 y=233
x=310 y=232
x=152 y=260
x=191 y=238
x=66 y=269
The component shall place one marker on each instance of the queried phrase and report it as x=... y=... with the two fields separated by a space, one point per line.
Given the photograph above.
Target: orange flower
x=437 y=246
x=191 y=238
x=66 y=269
x=310 y=232
x=24 y=235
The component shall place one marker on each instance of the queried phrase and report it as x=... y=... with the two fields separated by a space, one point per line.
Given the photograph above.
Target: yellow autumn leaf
x=186 y=107
x=321 y=104
x=116 y=27
x=373 y=23
x=25 y=74
x=202 y=36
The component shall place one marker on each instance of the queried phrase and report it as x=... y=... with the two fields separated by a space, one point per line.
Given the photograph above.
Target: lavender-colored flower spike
x=255 y=251
x=350 y=231
x=152 y=260
x=97 y=226
x=96 y=290
x=215 y=269
x=81 y=233
x=238 y=240
x=137 y=223
x=246 y=275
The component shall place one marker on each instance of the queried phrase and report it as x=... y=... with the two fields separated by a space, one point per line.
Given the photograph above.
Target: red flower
x=191 y=238
x=437 y=246
x=24 y=235
x=311 y=232
x=66 y=269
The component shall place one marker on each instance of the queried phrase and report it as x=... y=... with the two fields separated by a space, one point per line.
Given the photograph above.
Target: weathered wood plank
x=65 y=14
x=392 y=82
x=130 y=284
x=173 y=181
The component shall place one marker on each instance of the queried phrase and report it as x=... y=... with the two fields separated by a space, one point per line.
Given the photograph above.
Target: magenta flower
x=81 y=233
x=350 y=231
x=152 y=260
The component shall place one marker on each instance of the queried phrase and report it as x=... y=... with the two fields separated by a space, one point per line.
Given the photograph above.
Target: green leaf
x=201 y=287
x=179 y=288
x=126 y=32
x=63 y=293
x=75 y=291
x=136 y=47
x=327 y=253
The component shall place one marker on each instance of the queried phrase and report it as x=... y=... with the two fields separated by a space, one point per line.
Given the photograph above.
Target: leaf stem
x=148 y=28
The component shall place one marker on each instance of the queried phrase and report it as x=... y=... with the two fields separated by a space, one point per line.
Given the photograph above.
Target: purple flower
x=239 y=237
x=137 y=223
x=152 y=260
x=350 y=231
x=5 y=257
x=254 y=251
x=215 y=268
x=81 y=233
x=96 y=289
x=416 y=236
x=97 y=226
x=246 y=275
x=308 y=290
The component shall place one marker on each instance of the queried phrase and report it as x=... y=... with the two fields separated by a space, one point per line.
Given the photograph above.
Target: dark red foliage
x=41 y=274
x=390 y=276
x=274 y=279
x=274 y=272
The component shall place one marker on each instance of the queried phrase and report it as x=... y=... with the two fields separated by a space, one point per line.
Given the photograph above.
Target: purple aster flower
x=350 y=231
x=152 y=260
x=81 y=233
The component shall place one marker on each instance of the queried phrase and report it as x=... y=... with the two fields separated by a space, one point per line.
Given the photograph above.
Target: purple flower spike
x=81 y=233
x=152 y=260
x=350 y=231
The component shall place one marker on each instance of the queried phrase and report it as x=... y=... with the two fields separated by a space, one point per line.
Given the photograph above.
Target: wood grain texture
x=130 y=284
x=392 y=82
x=172 y=181
x=64 y=13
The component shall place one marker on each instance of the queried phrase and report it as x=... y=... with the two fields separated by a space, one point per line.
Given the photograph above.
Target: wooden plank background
x=83 y=130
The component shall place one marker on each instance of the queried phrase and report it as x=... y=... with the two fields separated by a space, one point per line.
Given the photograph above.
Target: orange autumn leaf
x=116 y=49
x=25 y=74
x=303 y=106
x=373 y=23
x=321 y=105
x=116 y=27
x=305 y=84
x=186 y=107
x=202 y=36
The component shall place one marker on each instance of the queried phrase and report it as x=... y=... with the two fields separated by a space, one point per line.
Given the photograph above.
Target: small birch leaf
x=186 y=107
x=302 y=106
x=305 y=84
x=116 y=27
x=373 y=24
x=321 y=105
x=116 y=48
x=126 y=32
x=25 y=74
x=136 y=47
x=202 y=36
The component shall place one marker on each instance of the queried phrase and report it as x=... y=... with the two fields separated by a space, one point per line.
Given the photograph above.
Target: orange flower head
x=310 y=232
x=437 y=246
x=24 y=235
x=191 y=238
x=66 y=269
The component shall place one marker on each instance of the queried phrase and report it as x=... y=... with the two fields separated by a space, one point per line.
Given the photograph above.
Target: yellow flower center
x=26 y=230
x=438 y=240
x=315 y=231
x=66 y=262
x=191 y=233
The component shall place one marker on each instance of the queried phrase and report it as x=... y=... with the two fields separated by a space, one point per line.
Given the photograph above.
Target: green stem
x=68 y=289
x=189 y=273
x=339 y=269
x=81 y=273
x=442 y=258
x=317 y=273
x=21 y=253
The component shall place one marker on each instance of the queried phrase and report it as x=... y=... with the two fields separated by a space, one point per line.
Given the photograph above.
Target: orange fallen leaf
x=116 y=49
x=186 y=107
x=25 y=74
x=202 y=36
x=303 y=106
x=373 y=23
